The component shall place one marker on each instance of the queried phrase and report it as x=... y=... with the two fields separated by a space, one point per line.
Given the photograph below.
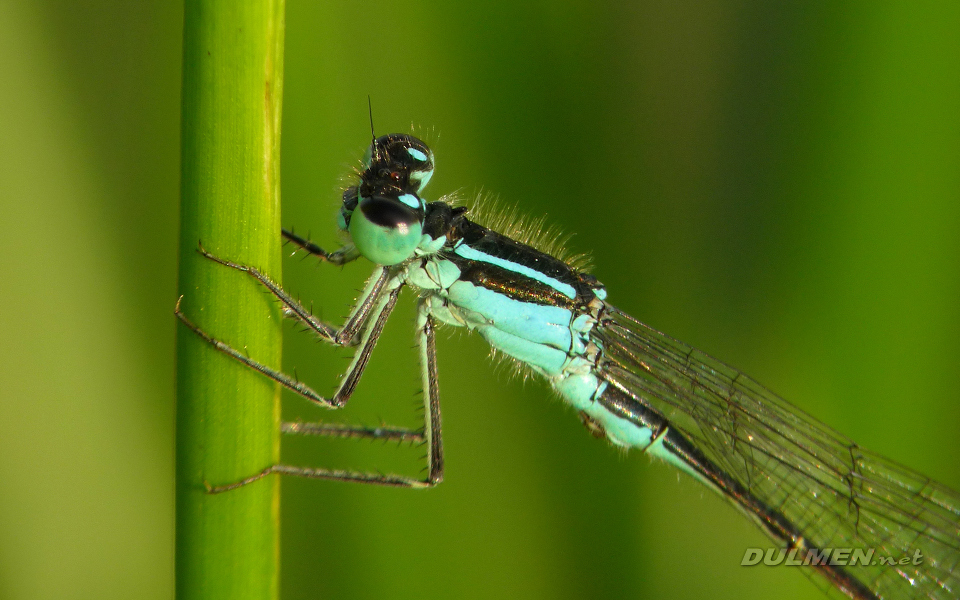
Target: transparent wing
x=836 y=493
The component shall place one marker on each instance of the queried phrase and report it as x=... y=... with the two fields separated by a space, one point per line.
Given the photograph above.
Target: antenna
x=373 y=135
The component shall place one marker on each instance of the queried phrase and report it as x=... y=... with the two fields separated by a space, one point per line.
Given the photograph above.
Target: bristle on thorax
x=508 y=220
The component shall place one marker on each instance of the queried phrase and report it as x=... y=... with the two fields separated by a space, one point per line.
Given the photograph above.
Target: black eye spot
x=388 y=212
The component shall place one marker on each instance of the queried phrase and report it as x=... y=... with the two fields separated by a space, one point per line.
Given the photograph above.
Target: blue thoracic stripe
x=469 y=253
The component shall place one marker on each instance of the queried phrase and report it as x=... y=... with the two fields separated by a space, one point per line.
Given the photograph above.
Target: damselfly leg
x=362 y=328
x=338 y=257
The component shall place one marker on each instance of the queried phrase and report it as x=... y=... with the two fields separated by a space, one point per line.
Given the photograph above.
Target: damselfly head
x=384 y=212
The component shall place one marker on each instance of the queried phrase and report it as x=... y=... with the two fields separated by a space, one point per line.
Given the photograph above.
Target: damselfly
x=807 y=486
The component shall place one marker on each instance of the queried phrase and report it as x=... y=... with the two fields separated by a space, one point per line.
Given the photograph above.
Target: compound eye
x=386 y=211
x=387 y=229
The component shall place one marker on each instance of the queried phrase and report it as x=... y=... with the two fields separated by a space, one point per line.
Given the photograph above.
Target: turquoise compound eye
x=387 y=229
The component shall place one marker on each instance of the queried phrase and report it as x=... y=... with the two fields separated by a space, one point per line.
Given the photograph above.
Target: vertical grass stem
x=228 y=415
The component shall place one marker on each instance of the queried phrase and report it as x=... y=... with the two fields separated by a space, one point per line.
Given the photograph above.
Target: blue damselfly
x=807 y=486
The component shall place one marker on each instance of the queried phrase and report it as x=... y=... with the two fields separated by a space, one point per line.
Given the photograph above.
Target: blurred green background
x=777 y=184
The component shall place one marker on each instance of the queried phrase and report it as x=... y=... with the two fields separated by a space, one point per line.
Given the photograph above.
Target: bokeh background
x=777 y=184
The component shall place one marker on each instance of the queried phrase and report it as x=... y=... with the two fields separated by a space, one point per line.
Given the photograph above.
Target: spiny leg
x=384 y=432
x=431 y=432
x=338 y=430
x=370 y=335
x=360 y=313
x=368 y=341
x=372 y=316
x=349 y=381
x=338 y=257
x=295 y=310
x=431 y=399
x=381 y=432
x=281 y=378
x=431 y=427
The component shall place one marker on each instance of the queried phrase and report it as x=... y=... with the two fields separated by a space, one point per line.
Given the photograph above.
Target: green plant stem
x=227 y=414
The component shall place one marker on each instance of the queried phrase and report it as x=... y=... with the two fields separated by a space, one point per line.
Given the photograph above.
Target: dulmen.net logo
x=838 y=557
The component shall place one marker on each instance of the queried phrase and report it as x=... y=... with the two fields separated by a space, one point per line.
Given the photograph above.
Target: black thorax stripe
x=510 y=283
